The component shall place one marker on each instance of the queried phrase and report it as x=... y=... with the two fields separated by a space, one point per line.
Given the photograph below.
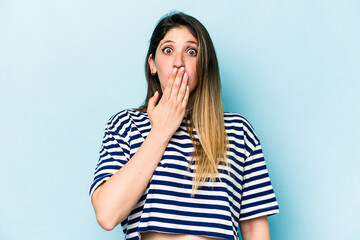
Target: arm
x=114 y=199
x=255 y=229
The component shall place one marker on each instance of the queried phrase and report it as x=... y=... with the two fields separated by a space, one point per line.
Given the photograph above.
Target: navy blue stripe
x=251 y=140
x=132 y=221
x=179 y=167
x=115 y=118
x=98 y=179
x=186 y=204
x=255 y=169
x=112 y=146
x=181 y=145
x=262 y=210
x=237 y=136
x=187 y=213
x=136 y=145
x=144 y=132
x=239 y=165
x=256 y=186
x=186 y=186
x=102 y=176
x=177 y=150
x=248 y=149
x=258 y=203
x=234 y=128
x=113 y=167
x=105 y=152
x=254 y=161
x=257 y=195
x=181 y=137
x=261 y=176
x=142 y=125
x=258 y=151
x=187 y=195
x=239 y=154
x=136 y=136
x=238 y=145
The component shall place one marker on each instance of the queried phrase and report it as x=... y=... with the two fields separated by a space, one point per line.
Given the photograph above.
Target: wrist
x=160 y=136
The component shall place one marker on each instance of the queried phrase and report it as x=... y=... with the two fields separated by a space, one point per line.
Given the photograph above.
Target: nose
x=178 y=60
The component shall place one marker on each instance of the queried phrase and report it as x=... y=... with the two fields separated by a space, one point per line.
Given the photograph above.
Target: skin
x=255 y=229
x=175 y=64
x=178 y=49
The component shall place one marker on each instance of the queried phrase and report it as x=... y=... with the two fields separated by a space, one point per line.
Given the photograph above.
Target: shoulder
x=237 y=119
x=121 y=121
x=238 y=122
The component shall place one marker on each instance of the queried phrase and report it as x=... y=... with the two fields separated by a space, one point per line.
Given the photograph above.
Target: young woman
x=179 y=167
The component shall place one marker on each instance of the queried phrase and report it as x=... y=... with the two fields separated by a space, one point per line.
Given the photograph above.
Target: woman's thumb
x=152 y=102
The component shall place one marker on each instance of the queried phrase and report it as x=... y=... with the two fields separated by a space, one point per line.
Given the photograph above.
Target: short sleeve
x=258 y=197
x=114 y=152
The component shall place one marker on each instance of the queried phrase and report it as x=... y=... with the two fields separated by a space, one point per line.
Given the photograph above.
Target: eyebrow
x=169 y=41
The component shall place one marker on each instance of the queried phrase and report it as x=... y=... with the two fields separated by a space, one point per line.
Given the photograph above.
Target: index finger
x=169 y=84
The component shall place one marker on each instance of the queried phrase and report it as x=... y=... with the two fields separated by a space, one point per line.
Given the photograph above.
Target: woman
x=179 y=167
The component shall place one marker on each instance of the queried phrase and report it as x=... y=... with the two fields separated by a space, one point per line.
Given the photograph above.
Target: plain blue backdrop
x=290 y=67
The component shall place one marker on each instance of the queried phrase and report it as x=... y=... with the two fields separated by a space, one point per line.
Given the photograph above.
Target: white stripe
x=261 y=198
x=238 y=141
x=186 y=218
x=111 y=171
x=257 y=156
x=252 y=183
x=250 y=209
x=187 y=209
x=110 y=164
x=254 y=165
x=188 y=200
x=261 y=214
x=138 y=140
x=257 y=173
x=258 y=190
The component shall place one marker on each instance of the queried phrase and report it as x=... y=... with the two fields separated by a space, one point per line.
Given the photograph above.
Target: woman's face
x=177 y=49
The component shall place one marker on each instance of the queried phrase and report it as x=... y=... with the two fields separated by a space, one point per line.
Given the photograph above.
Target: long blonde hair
x=206 y=115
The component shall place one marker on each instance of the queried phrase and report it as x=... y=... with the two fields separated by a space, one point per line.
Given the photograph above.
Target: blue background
x=290 y=67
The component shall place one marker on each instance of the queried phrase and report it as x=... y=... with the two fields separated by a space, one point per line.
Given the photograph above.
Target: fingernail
x=155 y=93
x=187 y=88
x=185 y=75
x=175 y=70
x=182 y=69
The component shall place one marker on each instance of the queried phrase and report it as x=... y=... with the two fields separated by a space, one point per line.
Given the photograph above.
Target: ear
x=152 y=64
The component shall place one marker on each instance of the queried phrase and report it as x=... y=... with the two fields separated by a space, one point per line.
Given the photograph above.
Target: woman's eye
x=167 y=50
x=192 y=52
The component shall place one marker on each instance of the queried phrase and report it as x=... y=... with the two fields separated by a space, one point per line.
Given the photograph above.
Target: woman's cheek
x=162 y=80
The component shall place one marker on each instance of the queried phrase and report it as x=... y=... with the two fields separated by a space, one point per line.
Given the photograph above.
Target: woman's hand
x=166 y=116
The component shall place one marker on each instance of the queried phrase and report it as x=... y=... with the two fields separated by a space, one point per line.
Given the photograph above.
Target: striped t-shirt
x=166 y=205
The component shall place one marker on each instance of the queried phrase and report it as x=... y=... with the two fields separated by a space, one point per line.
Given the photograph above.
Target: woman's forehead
x=179 y=34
